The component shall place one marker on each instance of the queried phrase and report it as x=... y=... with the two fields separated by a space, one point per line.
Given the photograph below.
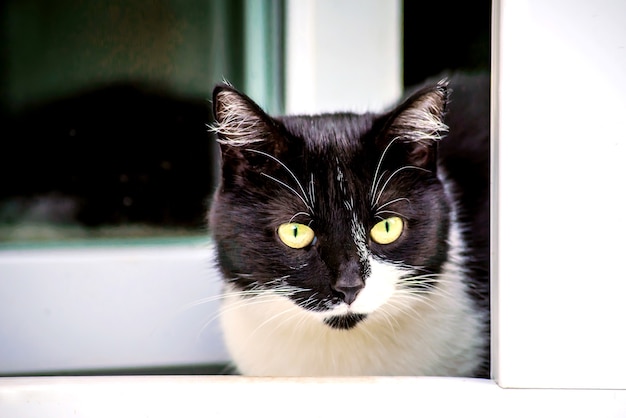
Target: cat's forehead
x=342 y=130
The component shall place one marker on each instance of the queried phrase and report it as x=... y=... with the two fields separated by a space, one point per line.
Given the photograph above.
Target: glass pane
x=105 y=107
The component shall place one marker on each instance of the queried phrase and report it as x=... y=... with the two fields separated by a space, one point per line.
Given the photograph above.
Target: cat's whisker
x=190 y=305
x=431 y=283
x=291 y=189
x=387 y=316
x=404 y=303
x=297 y=312
x=249 y=297
x=409 y=299
x=239 y=304
x=423 y=295
x=391 y=202
x=301 y=317
x=434 y=296
x=372 y=204
x=424 y=282
x=369 y=333
x=271 y=319
x=309 y=302
x=399 y=170
x=198 y=302
x=299 y=214
x=291 y=173
x=298 y=315
x=267 y=296
x=312 y=190
x=429 y=292
x=376 y=180
x=393 y=212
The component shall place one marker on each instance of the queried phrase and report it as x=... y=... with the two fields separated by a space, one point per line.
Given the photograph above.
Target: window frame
x=511 y=18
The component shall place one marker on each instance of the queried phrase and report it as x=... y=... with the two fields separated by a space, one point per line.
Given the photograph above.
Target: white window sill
x=233 y=396
x=99 y=308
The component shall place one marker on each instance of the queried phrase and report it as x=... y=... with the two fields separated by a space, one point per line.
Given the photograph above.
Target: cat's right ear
x=238 y=121
x=246 y=134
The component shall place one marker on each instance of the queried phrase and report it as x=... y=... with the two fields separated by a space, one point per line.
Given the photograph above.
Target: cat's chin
x=345 y=322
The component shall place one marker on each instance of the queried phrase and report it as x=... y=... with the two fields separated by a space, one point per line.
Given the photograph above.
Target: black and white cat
x=356 y=244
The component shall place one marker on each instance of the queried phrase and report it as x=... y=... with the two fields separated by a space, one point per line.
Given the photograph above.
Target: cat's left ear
x=418 y=122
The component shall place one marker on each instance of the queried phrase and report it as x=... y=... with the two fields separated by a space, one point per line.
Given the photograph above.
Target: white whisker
x=271 y=319
x=291 y=173
x=299 y=214
x=312 y=190
x=254 y=298
x=406 y=167
x=387 y=316
x=285 y=185
x=387 y=211
x=391 y=202
x=375 y=181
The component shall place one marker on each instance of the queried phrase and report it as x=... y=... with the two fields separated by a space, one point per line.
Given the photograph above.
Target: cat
x=356 y=244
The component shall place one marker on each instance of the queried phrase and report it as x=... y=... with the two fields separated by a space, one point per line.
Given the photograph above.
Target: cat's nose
x=349 y=294
x=349 y=288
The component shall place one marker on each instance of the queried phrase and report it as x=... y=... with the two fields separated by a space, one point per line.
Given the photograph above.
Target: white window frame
x=559 y=152
x=543 y=51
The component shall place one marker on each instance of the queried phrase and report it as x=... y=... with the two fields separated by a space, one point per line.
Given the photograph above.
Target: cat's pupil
x=387 y=226
x=295 y=231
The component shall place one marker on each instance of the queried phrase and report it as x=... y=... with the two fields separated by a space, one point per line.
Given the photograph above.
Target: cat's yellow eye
x=387 y=231
x=295 y=235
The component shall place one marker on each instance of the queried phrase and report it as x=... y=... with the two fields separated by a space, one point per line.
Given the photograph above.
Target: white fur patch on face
x=379 y=288
x=360 y=240
x=437 y=335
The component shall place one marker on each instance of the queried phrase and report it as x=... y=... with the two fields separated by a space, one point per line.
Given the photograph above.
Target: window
x=106 y=107
x=106 y=175
x=558 y=285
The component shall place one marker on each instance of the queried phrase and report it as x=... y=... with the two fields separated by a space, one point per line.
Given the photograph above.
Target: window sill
x=191 y=396
x=108 y=307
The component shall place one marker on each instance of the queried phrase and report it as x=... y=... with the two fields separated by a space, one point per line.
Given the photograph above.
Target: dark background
x=119 y=150
x=445 y=35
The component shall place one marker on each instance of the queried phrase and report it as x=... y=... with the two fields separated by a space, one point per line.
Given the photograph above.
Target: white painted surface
x=232 y=396
x=343 y=55
x=107 y=308
x=561 y=282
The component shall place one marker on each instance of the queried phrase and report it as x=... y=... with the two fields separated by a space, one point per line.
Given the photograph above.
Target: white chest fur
x=439 y=333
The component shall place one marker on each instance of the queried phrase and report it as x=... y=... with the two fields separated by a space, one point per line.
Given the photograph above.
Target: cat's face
x=342 y=214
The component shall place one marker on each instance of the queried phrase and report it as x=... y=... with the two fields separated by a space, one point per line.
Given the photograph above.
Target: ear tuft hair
x=420 y=118
x=239 y=122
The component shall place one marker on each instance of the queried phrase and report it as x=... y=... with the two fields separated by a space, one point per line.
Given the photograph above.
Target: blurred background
x=107 y=166
x=104 y=104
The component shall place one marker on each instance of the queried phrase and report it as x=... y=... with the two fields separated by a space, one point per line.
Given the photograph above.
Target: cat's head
x=339 y=213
